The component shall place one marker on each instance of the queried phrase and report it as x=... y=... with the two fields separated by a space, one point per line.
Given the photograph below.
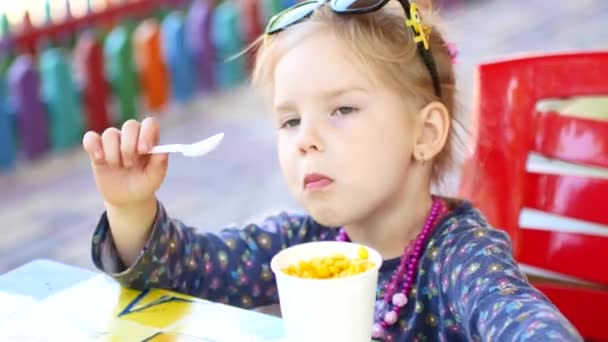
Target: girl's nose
x=309 y=139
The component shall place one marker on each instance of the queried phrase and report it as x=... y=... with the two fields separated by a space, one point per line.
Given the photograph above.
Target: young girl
x=362 y=93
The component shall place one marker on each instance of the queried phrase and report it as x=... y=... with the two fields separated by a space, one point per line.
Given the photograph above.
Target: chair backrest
x=512 y=134
x=540 y=174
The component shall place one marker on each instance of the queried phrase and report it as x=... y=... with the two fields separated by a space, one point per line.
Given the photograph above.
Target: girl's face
x=345 y=141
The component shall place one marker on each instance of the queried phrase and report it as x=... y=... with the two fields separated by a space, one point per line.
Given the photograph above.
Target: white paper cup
x=326 y=310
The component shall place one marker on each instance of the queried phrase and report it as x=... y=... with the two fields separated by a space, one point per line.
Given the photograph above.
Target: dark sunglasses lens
x=355 y=5
x=291 y=16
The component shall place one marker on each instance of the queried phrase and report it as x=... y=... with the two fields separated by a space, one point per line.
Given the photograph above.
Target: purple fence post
x=24 y=88
x=200 y=45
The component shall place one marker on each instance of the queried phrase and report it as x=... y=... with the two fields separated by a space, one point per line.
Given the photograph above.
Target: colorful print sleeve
x=231 y=267
x=491 y=296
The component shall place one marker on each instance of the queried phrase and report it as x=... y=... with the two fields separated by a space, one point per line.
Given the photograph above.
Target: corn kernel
x=363 y=253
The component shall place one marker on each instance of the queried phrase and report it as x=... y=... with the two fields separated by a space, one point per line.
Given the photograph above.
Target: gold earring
x=422 y=158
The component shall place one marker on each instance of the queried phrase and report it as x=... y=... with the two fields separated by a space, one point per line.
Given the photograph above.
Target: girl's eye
x=345 y=110
x=290 y=123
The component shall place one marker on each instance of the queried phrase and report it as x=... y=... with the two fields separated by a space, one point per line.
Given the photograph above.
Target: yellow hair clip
x=415 y=22
x=265 y=39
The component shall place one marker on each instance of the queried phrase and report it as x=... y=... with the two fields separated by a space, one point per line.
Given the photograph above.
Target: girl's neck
x=396 y=222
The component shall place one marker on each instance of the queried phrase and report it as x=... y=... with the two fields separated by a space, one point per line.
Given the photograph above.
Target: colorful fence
x=98 y=70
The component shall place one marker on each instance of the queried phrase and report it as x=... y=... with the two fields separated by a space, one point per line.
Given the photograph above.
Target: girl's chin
x=327 y=217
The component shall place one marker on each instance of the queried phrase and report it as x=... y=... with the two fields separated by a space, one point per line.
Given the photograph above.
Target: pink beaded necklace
x=405 y=274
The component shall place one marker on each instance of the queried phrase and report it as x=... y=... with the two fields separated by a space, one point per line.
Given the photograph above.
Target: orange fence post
x=152 y=71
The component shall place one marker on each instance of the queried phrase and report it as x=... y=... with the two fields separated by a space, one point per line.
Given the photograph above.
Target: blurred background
x=97 y=63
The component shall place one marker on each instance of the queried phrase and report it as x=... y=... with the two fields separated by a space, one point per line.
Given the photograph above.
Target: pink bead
x=342 y=236
x=390 y=317
x=377 y=331
x=399 y=300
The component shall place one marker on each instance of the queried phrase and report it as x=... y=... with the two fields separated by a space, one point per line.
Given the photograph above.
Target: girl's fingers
x=110 y=140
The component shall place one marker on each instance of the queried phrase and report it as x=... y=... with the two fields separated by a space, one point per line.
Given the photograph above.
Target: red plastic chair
x=543 y=177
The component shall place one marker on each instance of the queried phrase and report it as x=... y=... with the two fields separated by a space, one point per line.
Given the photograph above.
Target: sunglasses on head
x=304 y=10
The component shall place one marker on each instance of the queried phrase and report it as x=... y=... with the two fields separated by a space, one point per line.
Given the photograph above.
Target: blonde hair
x=382 y=42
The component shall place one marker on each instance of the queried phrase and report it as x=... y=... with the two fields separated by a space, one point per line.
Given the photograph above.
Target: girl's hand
x=124 y=173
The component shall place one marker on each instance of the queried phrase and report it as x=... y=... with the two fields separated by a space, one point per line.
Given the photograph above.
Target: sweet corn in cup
x=327 y=291
x=337 y=265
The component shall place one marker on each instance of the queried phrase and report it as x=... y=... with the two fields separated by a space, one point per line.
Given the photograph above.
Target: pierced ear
x=435 y=124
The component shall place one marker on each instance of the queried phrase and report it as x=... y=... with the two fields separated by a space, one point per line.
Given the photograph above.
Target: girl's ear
x=434 y=126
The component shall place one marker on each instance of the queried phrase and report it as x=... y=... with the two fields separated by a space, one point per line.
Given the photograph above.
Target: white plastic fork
x=197 y=149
